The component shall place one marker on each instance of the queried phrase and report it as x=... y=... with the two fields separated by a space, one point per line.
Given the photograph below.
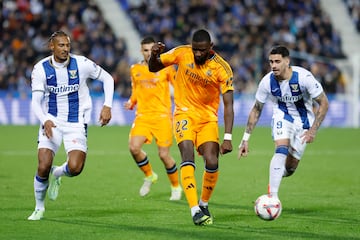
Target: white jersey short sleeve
x=66 y=94
x=291 y=99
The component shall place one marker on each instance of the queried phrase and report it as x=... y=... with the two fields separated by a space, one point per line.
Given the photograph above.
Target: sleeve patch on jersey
x=229 y=82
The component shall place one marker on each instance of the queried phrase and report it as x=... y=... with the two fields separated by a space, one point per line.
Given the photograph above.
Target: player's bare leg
x=41 y=183
x=290 y=165
x=172 y=172
x=142 y=161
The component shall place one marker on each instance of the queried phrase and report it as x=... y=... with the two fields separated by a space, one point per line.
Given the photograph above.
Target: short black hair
x=147 y=39
x=201 y=35
x=279 y=49
x=58 y=33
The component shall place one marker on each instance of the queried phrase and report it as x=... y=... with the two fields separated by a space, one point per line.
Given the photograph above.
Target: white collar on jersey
x=56 y=64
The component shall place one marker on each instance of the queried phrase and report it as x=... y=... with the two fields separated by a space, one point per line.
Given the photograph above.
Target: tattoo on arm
x=254 y=116
x=320 y=114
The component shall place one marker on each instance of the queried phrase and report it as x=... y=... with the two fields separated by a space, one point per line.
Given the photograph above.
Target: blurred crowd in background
x=242 y=30
x=353 y=7
x=27 y=26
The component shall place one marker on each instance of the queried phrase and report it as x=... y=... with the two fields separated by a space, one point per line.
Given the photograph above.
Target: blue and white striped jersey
x=291 y=98
x=65 y=87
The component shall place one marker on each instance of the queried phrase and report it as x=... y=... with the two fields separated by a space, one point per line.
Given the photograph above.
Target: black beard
x=200 y=61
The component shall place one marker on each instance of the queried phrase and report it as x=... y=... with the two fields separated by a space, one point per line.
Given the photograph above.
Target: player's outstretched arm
x=320 y=114
x=155 y=63
x=105 y=114
x=253 y=118
x=228 y=99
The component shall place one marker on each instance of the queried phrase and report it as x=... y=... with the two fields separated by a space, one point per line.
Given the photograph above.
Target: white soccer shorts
x=74 y=136
x=283 y=129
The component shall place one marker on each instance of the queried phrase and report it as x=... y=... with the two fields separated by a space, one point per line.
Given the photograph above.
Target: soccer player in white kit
x=61 y=101
x=291 y=90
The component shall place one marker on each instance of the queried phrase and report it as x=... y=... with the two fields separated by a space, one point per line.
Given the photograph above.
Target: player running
x=292 y=90
x=59 y=84
x=151 y=95
x=202 y=77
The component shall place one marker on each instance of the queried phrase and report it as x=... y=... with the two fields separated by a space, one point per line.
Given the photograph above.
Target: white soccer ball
x=267 y=207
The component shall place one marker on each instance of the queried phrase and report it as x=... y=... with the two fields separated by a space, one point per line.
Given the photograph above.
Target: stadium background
x=319 y=202
x=109 y=33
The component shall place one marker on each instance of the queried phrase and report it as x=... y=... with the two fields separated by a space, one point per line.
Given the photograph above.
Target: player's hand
x=226 y=147
x=105 y=115
x=48 y=126
x=157 y=48
x=243 y=149
x=308 y=136
x=128 y=105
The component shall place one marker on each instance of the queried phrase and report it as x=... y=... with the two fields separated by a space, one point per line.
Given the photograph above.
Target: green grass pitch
x=320 y=201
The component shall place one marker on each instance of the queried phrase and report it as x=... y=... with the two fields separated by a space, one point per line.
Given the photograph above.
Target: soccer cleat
x=148 y=181
x=175 y=193
x=201 y=219
x=36 y=215
x=54 y=186
x=205 y=210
